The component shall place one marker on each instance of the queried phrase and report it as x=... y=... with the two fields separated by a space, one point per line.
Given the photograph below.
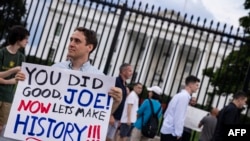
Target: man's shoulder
x=93 y=69
x=63 y=64
x=118 y=81
x=183 y=93
x=118 y=78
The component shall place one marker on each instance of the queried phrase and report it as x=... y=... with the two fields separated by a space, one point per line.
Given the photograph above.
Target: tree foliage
x=231 y=76
x=12 y=13
x=245 y=20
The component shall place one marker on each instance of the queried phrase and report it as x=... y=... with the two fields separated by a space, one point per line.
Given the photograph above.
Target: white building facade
x=163 y=53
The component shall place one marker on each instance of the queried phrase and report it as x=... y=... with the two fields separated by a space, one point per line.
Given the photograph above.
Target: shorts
x=4 y=112
x=112 y=129
x=125 y=130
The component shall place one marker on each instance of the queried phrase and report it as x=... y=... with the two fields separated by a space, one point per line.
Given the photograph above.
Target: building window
x=58 y=29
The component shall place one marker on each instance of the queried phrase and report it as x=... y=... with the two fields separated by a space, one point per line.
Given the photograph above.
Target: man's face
x=128 y=72
x=138 y=89
x=242 y=102
x=23 y=43
x=78 y=47
x=150 y=94
x=194 y=86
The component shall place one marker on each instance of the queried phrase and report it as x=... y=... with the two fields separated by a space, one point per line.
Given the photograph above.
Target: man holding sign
x=82 y=42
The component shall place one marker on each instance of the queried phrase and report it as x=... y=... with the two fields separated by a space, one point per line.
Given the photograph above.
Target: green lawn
x=195 y=136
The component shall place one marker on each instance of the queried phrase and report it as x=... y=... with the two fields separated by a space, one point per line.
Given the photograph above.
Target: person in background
x=174 y=117
x=11 y=57
x=229 y=115
x=144 y=112
x=125 y=73
x=208 y=124
x=129 y=114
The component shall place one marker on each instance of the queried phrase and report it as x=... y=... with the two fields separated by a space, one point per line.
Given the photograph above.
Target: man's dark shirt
x=229 y=115
x=119 y=83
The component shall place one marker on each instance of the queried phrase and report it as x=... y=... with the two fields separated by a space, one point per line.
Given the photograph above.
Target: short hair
x=191 y=79
x=124 y=66
x=137 y=83
x=17 y=33
x=90 y=36
x=239 y=94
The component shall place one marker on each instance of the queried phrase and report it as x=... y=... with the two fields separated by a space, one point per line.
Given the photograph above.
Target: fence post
x=113 y=44
x=247 y=80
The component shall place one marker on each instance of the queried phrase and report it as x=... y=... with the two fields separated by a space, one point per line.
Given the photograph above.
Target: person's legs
x=135 y=134
x=168 y=137
x=1 y=116
x=123 y=131
x=186 y=134
x=112 y=131
x=4 y=114
x=117 y=134
x=144 y=138
x=130 y=130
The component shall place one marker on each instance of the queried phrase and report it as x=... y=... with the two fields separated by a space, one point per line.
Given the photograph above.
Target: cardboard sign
x=54 y=104
x=193 y=118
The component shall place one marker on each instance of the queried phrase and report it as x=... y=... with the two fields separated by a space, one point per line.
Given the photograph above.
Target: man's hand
x=129 y=123
x=112 y=120
x=116 y=93
x=20 y=76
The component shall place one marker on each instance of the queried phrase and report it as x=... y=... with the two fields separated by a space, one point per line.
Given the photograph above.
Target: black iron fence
x=163 y=46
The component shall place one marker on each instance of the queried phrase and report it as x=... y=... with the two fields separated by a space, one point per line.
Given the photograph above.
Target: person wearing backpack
x=145 y=112
x=174 y=117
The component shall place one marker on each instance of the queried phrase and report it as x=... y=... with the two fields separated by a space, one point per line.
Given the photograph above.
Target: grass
x=195 y=136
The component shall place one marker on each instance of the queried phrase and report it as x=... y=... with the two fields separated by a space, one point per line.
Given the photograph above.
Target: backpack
x=151 y=127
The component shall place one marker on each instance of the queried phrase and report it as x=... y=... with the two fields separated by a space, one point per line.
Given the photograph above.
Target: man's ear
x=91 y=47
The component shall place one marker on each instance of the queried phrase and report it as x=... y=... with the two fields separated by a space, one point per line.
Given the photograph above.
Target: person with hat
x=144 y=112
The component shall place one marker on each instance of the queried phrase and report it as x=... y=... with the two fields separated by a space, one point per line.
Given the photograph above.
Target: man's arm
x=129 y=113
x=7 y=73
x=7 y=82
x=201 y=122
x=116 y=93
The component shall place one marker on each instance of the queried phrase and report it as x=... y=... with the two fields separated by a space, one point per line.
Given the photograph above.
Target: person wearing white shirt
x=174 y=116
x=129 y=114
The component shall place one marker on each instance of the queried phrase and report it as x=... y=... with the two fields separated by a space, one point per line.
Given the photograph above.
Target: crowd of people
x=127 y=114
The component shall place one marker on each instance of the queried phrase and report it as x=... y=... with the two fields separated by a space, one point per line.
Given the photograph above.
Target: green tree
x=231 y=76
x=12 y=13
x=245 y=20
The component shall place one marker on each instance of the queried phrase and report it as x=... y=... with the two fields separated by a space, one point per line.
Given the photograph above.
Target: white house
x=142 y=41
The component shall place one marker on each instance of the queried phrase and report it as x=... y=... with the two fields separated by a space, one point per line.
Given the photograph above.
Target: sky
x=223 y=11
